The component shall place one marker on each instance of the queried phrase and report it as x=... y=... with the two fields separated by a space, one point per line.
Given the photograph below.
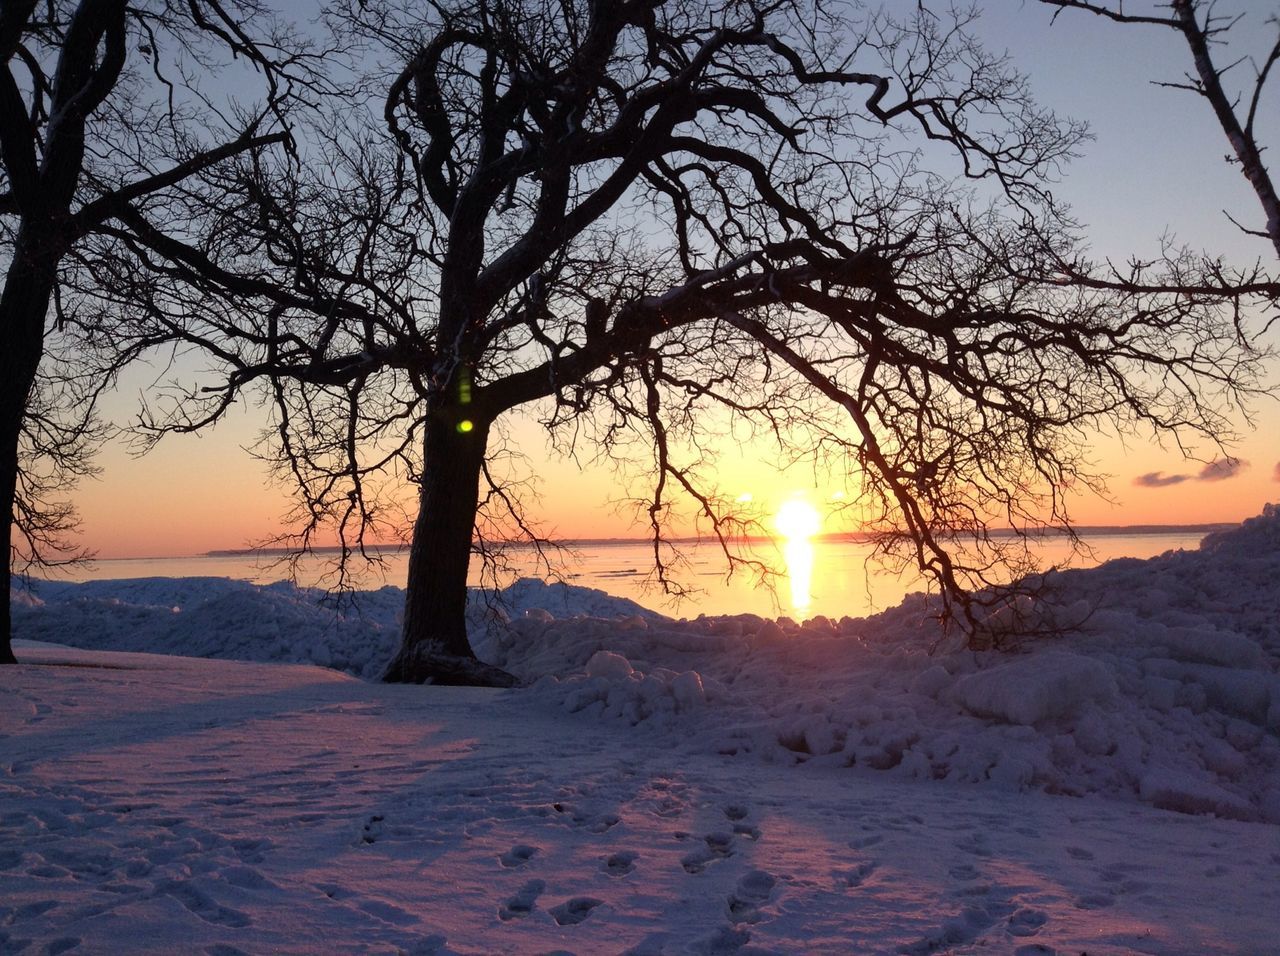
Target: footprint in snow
x=518 y=855
x=908 y=821
x=372 y=829
x=752 y=892
x=251 y=850
x=592 y=822
x=1027 y=921
x=621 y=863
x=30 y=911
x=522 y=903
x=697 y=860
x=1095 y=901
x=575 y=910
x=959 y=930
x=247 y=878
x=976 y=844
x=858 y=875
x=203 y=906
x=737 y=814
x=429 y=945
x=726 y=939
x=1079 y=853
x=601 y=823
x=719 y=843
x=668 y=807
x=718 y=846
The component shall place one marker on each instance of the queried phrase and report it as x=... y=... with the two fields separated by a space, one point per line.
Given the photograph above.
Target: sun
x=797 y=520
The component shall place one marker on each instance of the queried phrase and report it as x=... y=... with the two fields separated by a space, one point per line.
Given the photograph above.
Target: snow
x=1037 y=688
x=713 y=785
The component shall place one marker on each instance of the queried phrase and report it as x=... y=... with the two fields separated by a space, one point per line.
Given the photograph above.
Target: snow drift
x=1161 y=685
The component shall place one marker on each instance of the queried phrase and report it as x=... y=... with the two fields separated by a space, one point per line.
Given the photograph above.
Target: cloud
x=1219 y=470
x=1275 y=475
x=1222 y=469
x=1158 y=479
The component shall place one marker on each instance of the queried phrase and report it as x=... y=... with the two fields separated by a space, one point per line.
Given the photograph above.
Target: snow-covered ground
x=709 y=786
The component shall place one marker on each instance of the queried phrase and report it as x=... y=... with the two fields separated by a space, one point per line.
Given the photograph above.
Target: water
x=822 y=577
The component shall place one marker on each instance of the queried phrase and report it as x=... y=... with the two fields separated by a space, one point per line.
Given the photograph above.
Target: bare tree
x=100 y=107
x=1237 y=107
x=636 y=217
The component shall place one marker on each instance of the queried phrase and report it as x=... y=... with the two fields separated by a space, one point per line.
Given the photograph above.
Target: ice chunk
x=1012 y=772
x=1223 y=759
x=1036 y=687
x=1093 y=736
x=608 y=665
x=930 y=681
x=1210 y=647
x=1244 y=693
x=811 y=734
x=769 y=631
x=1175 y=790
x=1160 y=692
x=687 y=690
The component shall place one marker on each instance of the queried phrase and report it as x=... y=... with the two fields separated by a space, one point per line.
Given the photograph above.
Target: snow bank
x=215 y=617
x=1164 y=686
x=280 y=622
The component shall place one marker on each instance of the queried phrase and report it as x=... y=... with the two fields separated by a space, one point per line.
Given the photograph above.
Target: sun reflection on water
x=798 y=553
x=798 y=521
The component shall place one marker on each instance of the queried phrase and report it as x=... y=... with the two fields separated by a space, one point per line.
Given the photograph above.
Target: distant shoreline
x=1084 y=531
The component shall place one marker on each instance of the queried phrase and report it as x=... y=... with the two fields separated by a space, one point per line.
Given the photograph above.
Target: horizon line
x=838 y=536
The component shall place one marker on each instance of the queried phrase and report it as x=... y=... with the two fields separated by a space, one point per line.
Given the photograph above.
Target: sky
x=1156 y=166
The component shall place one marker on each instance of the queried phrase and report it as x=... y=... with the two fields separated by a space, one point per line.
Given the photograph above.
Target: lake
x=829 y=577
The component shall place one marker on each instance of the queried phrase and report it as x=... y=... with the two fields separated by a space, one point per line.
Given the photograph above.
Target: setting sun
x=797 y=520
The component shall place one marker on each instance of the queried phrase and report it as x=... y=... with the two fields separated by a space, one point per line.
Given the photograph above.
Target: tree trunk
x=23 y=305
x=434 y=647
x=8 y=485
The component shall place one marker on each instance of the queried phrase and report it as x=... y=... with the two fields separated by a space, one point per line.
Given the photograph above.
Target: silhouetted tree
x=1237 y=109
x=645 y=219
x=100 y=109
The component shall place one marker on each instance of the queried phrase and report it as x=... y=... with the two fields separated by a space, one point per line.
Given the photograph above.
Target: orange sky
x=194 y=494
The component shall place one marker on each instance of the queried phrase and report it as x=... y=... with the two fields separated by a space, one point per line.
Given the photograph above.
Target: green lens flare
x=466 y=425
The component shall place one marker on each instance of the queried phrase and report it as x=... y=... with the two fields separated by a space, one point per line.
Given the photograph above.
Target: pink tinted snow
x=159 y=804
